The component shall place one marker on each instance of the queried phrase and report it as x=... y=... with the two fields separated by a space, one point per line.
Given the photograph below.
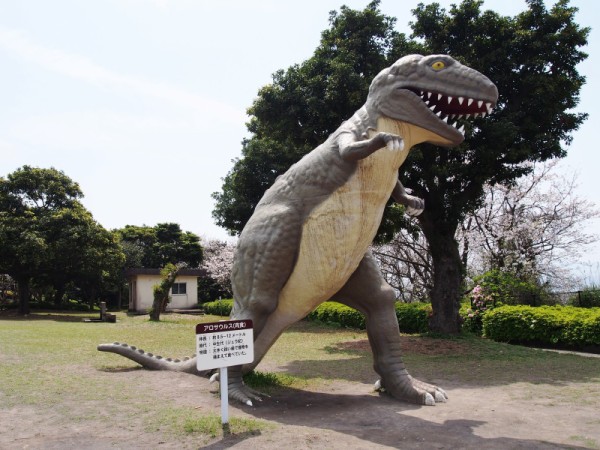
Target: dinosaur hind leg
x=369 y=293
x=264 y=260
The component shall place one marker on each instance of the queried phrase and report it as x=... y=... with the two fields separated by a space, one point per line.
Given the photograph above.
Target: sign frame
x=220 y=345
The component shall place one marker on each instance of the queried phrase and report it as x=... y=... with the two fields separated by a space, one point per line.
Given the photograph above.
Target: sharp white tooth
x=461 y=100
x=445 y=119
x=432 y=107
x=469 y=102
x=421 y=93
x=439 y=96
x=462 y=129
x=427 y=102
x=479 y=103
x=439 y=114
x=483 y=114
x=488 y=106
x=449 y=99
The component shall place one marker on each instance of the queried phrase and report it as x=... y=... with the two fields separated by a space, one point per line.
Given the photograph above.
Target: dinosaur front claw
x=244 y=394
x=239 y=392
x=440 y=396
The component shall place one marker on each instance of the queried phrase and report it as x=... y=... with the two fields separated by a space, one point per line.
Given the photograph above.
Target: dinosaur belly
x=337 y=234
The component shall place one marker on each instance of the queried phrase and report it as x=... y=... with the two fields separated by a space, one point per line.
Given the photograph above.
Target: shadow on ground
x=375 y=419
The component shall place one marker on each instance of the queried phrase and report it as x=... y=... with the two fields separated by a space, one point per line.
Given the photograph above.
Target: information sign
x=224 y=344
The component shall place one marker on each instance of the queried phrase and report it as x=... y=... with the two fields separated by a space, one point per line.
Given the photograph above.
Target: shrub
x=505 y=287
x=480 y=301
x=218 y=307
x=587 y=298
x=336 y=313
x=544 y=325
x=412 y=317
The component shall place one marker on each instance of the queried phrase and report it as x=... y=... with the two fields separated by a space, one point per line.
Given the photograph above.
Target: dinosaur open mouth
x=450 y=109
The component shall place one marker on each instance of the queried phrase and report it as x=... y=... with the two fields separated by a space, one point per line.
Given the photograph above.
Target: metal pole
x=224 y=395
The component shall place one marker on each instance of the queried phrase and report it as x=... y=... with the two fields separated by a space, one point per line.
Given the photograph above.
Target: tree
x=159 y=245
x=48 y=236
x=532 y=228
x=161 y=290
x=527 y=233
x=531 y=57
x=80 y=252
x=406 y=264
x=218 y=260
x=305 y=104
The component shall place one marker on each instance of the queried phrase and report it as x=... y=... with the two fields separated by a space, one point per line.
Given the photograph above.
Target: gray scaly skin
x=275 y=277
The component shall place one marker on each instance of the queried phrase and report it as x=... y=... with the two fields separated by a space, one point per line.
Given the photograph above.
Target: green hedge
x=412 y=317
x=333 y=312
x=218 y=307
x=545 y=325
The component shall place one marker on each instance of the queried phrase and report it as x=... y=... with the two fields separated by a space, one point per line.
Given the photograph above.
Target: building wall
x=141 y=293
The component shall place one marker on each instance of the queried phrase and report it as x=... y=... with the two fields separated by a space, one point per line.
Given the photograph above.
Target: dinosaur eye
x=438 y=65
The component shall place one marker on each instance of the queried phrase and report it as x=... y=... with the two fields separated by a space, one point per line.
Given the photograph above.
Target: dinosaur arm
x=414 y=205
x=352 y=149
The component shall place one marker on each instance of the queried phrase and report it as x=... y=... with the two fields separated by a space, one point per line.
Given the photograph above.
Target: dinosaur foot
x=415 y=391
x=239 y=392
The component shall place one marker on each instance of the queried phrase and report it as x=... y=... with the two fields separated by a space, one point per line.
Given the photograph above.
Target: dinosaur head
x=433 y=92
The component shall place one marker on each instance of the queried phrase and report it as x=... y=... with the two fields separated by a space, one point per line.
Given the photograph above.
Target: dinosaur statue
x=308 y=239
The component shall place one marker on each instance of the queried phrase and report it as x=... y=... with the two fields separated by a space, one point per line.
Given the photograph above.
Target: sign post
x=223 y=344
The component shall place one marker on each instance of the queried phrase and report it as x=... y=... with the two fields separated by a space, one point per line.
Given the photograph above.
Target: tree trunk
x=24 y=295
x=159 y=301
x=447 y=276
x=161 y=290
x=59 y=293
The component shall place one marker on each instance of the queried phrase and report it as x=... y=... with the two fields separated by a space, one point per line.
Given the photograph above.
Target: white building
x=184 y=294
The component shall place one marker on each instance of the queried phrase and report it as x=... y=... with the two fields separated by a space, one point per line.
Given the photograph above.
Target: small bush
x=218 y=307
x=544 y=325
x=412 y=317
x=480 y=301
x=336 y=313
x=506 y=287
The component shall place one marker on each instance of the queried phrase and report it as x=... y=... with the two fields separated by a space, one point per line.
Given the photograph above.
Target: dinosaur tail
x=153 y=362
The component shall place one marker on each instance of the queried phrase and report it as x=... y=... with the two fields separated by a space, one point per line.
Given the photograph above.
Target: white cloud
x=82 y=68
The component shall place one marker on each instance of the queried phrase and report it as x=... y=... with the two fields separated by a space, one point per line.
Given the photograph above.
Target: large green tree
x=81 y=254
x=48 y=236
x=531 y=57
x=160 y=245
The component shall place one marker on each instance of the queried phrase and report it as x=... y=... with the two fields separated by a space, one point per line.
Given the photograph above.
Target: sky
x=143 y=102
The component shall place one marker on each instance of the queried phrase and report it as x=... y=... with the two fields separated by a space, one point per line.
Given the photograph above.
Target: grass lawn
x=49 y=362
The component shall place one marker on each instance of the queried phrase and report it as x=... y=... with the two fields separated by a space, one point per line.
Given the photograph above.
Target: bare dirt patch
x=415 y=344
x=339 y=415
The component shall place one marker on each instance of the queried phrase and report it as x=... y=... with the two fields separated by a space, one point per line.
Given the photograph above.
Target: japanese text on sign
x=224 y=344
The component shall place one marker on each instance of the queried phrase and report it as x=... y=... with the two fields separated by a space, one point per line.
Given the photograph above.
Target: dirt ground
x=342 y=415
